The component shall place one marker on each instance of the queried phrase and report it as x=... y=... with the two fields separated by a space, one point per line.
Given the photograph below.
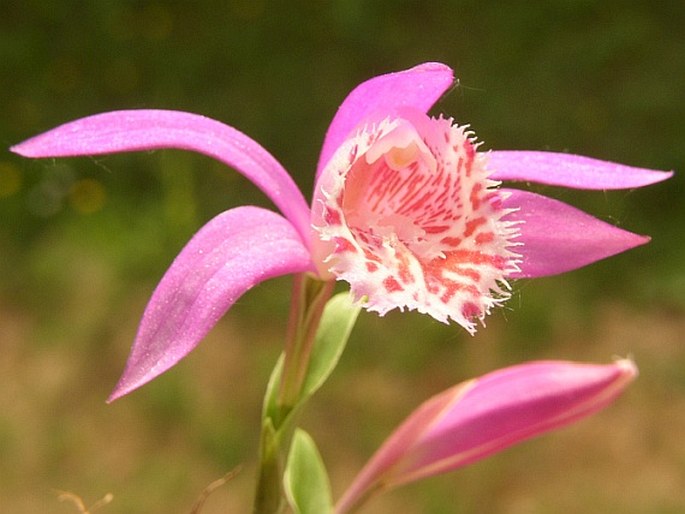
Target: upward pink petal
x=558 y=238
x=233 y=252
x=418 y=87
x=560 y=169
x=134 y=130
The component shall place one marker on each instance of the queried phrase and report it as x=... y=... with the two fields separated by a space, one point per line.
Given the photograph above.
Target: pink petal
x=134 y=130
x=478 y=418
x=558 y=238
x=418 y=87
x=560 y=169
x=233 y=252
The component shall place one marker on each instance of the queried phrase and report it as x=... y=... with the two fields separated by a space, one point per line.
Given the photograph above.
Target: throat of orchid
x=389 y=221
x=411 y=221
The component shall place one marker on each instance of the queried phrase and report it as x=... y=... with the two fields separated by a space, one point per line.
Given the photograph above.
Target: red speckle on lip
x=451 y=289
x=474 y=197
x=472 y=225
x=343 y=245
x=451 y=241
x=469 y=273
x=332 y=217
x=436 y=229
x=405 y=274
x=470 y=310
x=484 y=238
x=391 y=285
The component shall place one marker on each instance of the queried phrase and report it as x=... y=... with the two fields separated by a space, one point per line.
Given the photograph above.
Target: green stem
x=269 y=496
x=309 y=298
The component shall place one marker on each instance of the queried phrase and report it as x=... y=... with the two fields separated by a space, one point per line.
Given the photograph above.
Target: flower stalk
x=309 y=298
x=269 y=498
x=308 y=301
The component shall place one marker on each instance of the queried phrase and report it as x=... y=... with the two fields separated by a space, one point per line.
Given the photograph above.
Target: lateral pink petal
x=558 y=238
x=418 y=87
x=135 y=130
x=230 y=254
x=567 y=170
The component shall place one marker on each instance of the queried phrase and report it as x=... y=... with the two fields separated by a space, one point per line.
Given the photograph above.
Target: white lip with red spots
x=407 y=215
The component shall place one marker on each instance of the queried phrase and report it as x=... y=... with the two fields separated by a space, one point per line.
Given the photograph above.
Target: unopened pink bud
x=478 y=418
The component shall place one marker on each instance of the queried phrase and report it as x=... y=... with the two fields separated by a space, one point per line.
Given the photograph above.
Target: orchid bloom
x=405 y=209
x=485 y=415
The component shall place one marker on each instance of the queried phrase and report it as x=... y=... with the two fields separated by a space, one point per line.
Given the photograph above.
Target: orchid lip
x=412 y=220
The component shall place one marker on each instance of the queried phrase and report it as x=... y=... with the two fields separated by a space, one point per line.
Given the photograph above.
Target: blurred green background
x=83 y=242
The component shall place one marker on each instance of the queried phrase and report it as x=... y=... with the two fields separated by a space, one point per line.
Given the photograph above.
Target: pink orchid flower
x=405 y=210
x=482 y=416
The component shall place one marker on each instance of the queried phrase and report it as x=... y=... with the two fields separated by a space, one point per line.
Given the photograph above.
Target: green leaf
x=339 y=317
x=337 y=321
x=305 y=480
x=270 y=406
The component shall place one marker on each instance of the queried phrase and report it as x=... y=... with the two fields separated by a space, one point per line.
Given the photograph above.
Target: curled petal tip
x=628 y=367
x=19 y=150
x=33 y=148
x=434 y=66
x=113 y=397
x=119 y=391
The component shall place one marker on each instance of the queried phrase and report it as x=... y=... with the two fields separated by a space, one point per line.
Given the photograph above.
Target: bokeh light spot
x=10 y=179
x=87 y=196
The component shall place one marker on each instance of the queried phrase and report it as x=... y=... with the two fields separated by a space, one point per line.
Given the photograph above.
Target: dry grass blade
x=200 y=502
x=80 y=505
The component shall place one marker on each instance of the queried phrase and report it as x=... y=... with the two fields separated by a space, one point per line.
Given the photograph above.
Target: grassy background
x=83 y=241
